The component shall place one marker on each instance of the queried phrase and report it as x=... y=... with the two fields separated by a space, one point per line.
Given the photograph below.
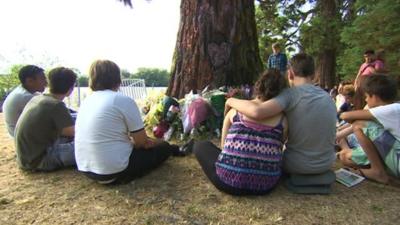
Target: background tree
x=9 y=81
x=152 y=76
x=321 y=38
x=281 y=21
x=210 y=48
x=216 y=45
x=126 y=74
x=376 y=26
x=83 y=81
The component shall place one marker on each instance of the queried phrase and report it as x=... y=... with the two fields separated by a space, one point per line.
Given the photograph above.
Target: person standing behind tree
x=43 y=121
x=366 y=69
x=379 y=63
x=33 y=81
x=277 y=60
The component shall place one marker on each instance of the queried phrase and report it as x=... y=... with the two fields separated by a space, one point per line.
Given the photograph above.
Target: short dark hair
x=302 y=65
x=104 y=74
x=380 y=85
x=270 y=84
x=369 y=52
x=29 y=71
x=61 y=80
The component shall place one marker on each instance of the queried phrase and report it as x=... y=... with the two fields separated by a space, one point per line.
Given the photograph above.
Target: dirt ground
x=176 y=193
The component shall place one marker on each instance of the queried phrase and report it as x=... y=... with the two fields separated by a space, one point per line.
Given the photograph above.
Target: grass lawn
x=176 y=193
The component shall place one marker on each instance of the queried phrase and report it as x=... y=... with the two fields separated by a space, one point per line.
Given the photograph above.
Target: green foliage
x=125 y=74
x=83 y=81
x=280 y=21
x=376 y=26
x=9 y=81
x=152 y=76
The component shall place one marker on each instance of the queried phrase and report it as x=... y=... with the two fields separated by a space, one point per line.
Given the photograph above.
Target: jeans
x=59 y=155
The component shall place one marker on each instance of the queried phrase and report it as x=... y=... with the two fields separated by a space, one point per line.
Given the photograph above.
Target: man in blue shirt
x=277 y=60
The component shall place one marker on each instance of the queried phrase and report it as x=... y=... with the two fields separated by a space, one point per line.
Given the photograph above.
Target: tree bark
x=216 y=45
x=326 y=58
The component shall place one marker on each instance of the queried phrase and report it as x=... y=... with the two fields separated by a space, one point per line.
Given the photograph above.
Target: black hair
x=29 y=71
x=61 y=80
x=380 y=85
x=369 y=52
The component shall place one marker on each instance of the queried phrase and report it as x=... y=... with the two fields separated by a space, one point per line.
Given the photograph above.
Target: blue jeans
x=61 y=154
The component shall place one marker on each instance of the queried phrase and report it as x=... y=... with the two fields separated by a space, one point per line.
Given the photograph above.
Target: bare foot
x=375 y=175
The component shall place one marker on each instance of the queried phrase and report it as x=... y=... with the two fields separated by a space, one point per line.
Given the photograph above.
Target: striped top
x=252 y=155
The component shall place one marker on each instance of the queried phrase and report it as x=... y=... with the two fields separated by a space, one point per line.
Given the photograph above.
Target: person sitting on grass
x=42 y=123
x=111 y=143
x=250 y=160
x=348 y=93
x=33 y=81
x=377 y=131
x=311 y=117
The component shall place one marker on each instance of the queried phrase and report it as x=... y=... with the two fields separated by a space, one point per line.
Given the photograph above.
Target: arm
x=357 y=115
x=357 y=78
x=254 y=110
x=141 y=140
x=226 y=126
x=343 y=133
x=68 y=131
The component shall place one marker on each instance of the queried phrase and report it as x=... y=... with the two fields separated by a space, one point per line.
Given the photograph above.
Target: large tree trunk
x=216 y=45
x=326 y=59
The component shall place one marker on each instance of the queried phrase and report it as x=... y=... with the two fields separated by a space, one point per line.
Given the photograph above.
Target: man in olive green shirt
x=44 y=120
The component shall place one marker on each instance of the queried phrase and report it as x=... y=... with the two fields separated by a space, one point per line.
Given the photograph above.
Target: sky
x=73 y=33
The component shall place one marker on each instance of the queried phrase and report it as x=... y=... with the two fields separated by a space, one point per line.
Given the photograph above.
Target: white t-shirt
x=104 y=122
x=389 y=117
x=14 y=105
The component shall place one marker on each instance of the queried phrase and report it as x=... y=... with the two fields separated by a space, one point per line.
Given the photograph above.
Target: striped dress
x=252 y=155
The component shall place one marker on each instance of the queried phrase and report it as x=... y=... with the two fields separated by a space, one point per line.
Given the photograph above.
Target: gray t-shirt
x=311 y=115
x=38 y=127
x=13 y=106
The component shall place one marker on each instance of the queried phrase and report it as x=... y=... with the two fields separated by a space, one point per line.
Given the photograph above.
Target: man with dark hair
x=277 y=60
x=33 y=81
x=311 y=117
x=44 y=120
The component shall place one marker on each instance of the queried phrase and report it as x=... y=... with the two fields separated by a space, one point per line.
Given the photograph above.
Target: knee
x=345 y=155
x=358 y=125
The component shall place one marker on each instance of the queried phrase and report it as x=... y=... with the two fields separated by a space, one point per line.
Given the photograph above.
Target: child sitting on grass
x=348 y=93
x=251 y=156
x=377 y=131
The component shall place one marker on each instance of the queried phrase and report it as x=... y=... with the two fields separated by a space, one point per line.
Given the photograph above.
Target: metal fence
x=133 y=88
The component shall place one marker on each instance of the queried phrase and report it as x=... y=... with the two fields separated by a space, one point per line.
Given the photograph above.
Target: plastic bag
x=198 y=111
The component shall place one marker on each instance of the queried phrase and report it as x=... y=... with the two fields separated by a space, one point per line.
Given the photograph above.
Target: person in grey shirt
x=311 y=117
x=33 y=81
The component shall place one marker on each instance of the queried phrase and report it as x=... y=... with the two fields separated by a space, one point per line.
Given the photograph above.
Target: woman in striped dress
x=251 y=156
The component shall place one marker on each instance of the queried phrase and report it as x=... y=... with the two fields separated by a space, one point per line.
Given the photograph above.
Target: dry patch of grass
x=176 y=193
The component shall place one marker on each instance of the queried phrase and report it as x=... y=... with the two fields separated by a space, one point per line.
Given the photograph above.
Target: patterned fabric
x=387 y=145
x=252 y=155
x=277 y=61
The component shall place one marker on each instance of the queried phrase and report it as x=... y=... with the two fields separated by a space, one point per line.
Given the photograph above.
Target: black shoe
x=185 y=149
